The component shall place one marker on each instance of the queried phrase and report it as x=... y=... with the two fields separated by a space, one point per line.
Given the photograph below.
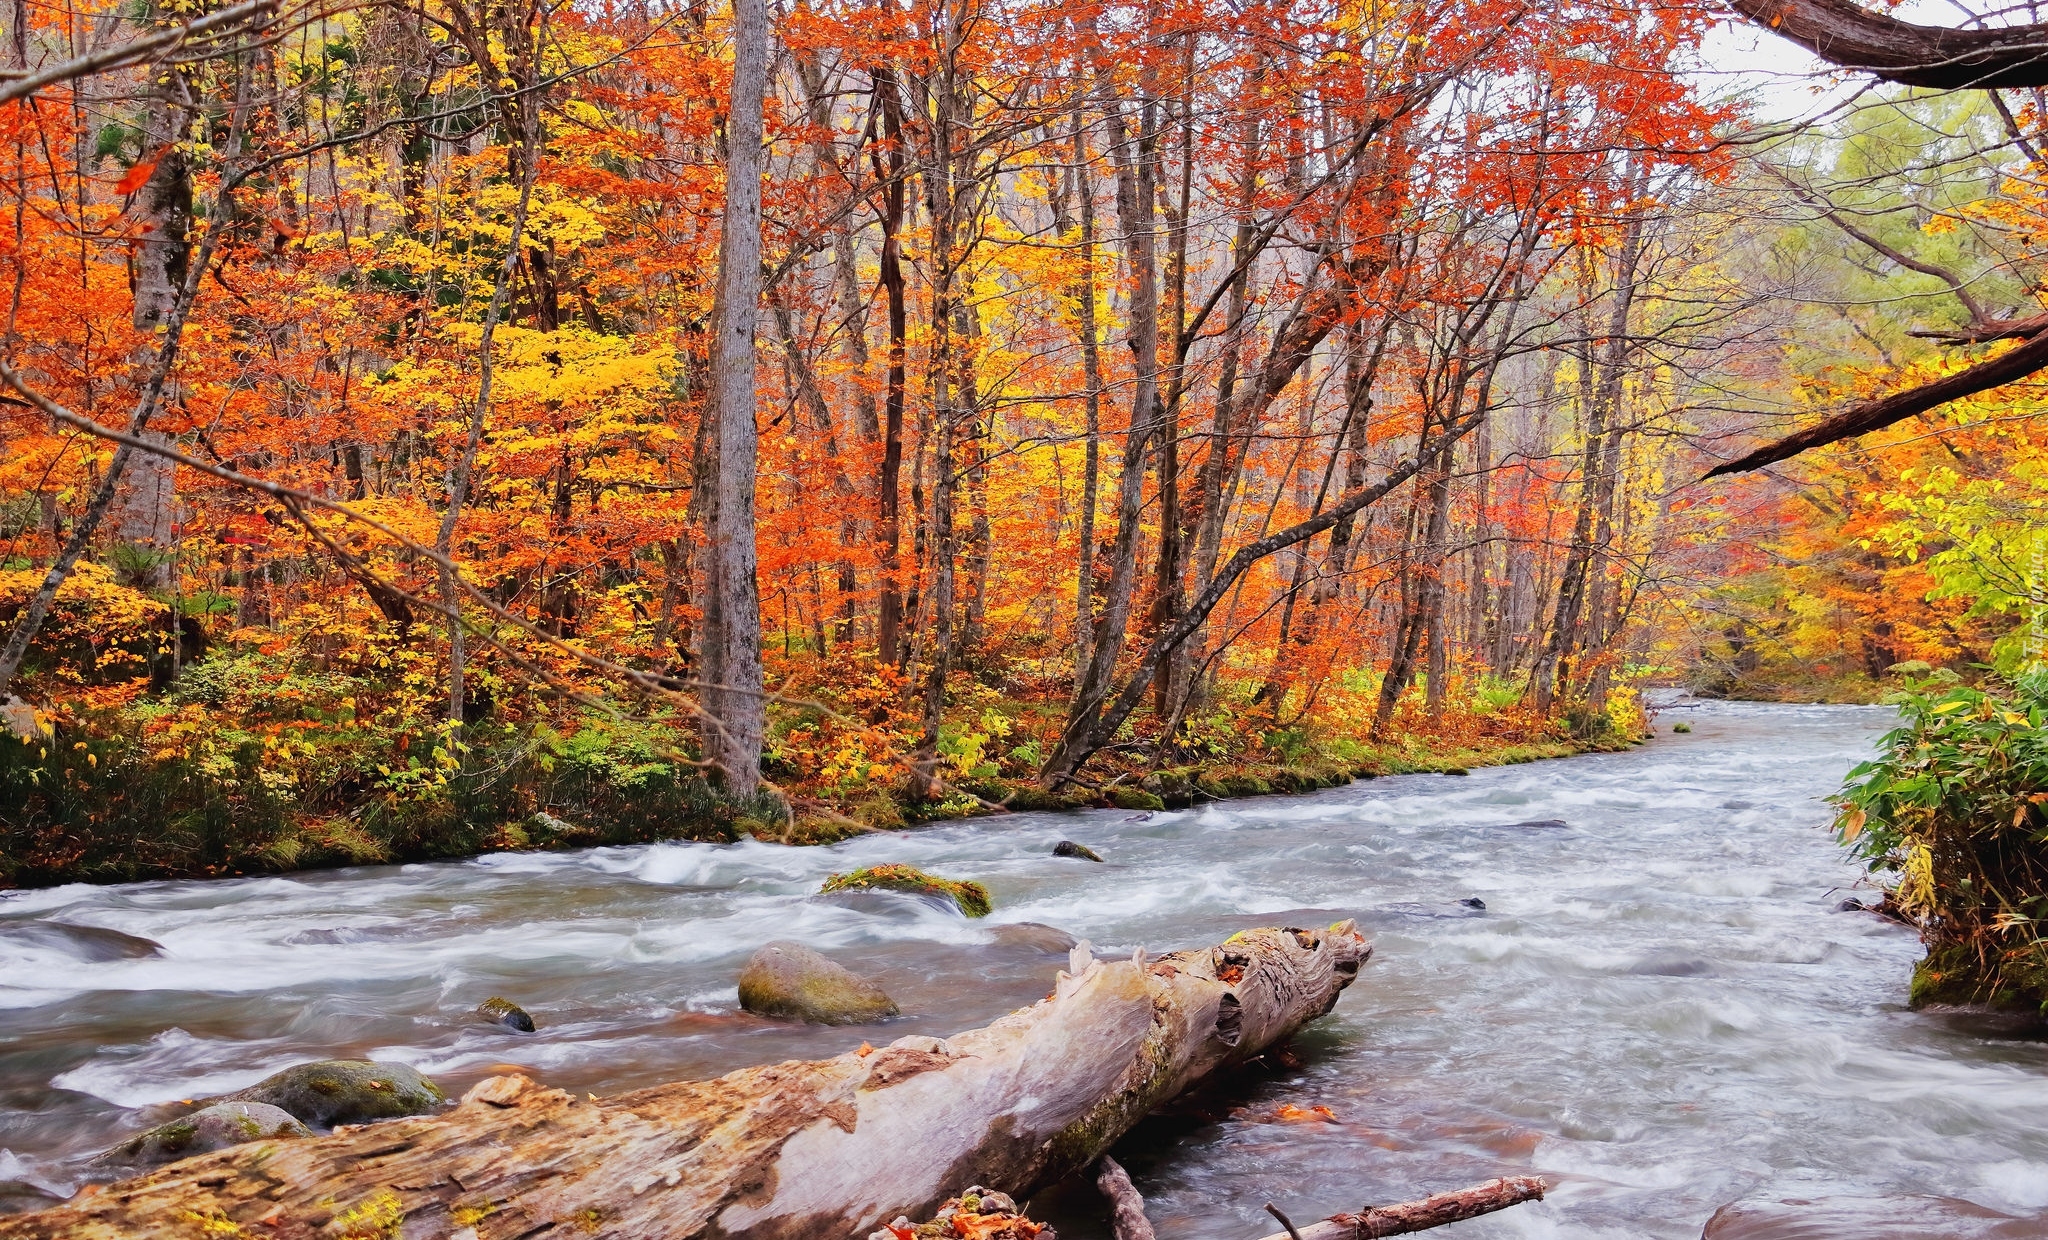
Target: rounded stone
x=792 y=982
x=203 y=1131
x=502 y=1011
x=346 y=1091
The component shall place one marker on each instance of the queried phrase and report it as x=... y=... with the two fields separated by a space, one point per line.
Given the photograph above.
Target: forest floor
x=212 y=780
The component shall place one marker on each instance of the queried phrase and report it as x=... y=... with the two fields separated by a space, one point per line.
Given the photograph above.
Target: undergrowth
x=1951 y=814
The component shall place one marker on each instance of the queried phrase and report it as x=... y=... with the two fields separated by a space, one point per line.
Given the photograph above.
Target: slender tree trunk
x=736 y=707
x=1091 y=377
x=889 y=618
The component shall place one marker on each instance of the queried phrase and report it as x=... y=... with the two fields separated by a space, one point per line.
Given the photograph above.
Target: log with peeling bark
x=790 y=1151
x=1414 y=1216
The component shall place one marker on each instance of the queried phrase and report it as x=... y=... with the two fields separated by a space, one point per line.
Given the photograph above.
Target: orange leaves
x=1291 y=1114
x=138 y=174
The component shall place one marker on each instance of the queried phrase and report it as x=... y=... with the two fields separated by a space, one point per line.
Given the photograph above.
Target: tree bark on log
x=791 y=1151
x=1413 y=1216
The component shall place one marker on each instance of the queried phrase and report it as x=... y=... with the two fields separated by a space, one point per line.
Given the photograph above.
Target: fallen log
x=1413 y=1216
x=790 y=1151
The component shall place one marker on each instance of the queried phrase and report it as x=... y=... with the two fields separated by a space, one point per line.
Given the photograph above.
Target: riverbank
x=1656 y=1005
x=170 y=792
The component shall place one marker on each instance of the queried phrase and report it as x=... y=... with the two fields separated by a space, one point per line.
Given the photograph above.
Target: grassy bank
x=246 y=768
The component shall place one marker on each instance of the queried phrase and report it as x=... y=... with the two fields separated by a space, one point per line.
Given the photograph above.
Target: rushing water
x=1656 y=1008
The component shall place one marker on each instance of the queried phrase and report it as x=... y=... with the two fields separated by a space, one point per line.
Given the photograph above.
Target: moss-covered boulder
x=1135 y=798
x=213 y=1128
x=1068 y=848
x=792 y=982
x=345 y=1091
x=971 y=898
x=501 y=1011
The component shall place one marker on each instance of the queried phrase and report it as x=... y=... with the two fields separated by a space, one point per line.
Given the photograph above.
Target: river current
x=1657 y=1007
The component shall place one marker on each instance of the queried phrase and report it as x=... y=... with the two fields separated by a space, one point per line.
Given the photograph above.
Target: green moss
x=970 y=897
x=1681 y=728
x=1135 y=798
x=880 y=812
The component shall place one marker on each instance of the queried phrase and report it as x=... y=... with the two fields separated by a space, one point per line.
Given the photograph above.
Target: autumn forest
x=491 y=424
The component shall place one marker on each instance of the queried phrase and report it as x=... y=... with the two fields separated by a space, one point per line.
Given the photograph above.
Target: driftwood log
x=1414 y=1216
x=791 y=1151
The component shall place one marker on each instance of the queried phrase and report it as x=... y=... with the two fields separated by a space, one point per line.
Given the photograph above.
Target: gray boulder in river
x=214 y=1128
x=345 y=1091
x=791 y=981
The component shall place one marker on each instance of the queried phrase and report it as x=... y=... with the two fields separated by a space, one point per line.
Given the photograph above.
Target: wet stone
x=346 y=1091
x=502 y=1011
x=1068 y=848
x=202 y=1132
x=792 y=982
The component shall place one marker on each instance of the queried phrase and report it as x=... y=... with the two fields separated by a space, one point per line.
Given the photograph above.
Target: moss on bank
x=97 y=804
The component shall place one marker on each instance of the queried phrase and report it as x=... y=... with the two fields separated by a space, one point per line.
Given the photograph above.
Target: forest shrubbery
x=257 y=759
x=1953 y=812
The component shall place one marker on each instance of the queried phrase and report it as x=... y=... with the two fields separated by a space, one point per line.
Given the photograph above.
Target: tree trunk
x=791 y=1151
x=143 y=505
x=889 y=486
x=1091 y=375
x=1136 y=196
x=731 y=672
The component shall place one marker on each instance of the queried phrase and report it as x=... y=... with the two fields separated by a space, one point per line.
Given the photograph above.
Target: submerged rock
x=1037 y=936
x=1538 y=824
x=791 y=981
x=213 y=1128
x=86 y=944
x=1068 y=848
x=499 y=1011
x=970 y=898
x=1474 y=902
x=345 y=1091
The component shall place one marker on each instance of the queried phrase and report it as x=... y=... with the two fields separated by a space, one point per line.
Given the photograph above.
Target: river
x=1657 y=1007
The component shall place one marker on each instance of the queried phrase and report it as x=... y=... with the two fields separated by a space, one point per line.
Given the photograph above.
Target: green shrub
x=1952 y=812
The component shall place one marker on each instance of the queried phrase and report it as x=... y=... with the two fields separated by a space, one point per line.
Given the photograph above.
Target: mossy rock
x=346 y=1091
x=1214 y=785
x=501 y=1011
x=1068 y=848
x=1135 y=798
x=202 y=1132
x=792 y=982
x=969 y=897
x=1681 y=728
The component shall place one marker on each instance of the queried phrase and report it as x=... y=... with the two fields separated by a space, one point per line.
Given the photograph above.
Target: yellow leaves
x=1850 y=825
x=1950 y=708
x=1939 y=225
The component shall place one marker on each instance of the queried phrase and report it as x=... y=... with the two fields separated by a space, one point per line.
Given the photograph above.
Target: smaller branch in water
x=1286 y=1222
x=1411 y=1216
x=1126 y=1207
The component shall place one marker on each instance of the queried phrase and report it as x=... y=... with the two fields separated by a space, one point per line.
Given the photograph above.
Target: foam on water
x=1657 y=1006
